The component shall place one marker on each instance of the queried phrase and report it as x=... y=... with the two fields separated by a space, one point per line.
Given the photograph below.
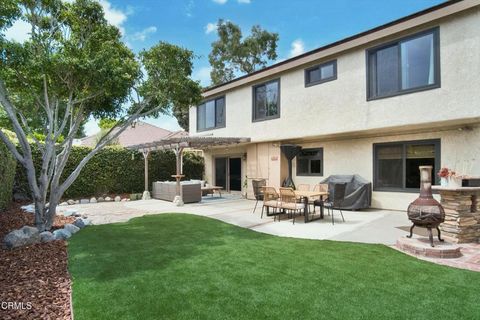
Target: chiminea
x=426 y=212
x=290 y=151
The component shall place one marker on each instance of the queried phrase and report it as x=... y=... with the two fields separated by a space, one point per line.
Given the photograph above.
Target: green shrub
x=7 y=175
x=116 y=170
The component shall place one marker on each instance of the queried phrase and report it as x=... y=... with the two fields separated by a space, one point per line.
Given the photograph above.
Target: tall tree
x=75 y=66
x=231 y=54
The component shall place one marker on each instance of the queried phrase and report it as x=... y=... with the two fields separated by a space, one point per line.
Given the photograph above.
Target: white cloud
x=297 y=47
x=210 y=27
x=244 y=1
x=142 y=35
x=203 y=75
x=19 y=31
x=220 y=1
x=114 y=16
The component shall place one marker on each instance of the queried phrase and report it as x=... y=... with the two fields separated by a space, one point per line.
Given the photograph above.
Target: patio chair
x=270 y=200
x=336 y=199
x=288 y=202
x=323 y=187
x=303 y=187
x=258 y=185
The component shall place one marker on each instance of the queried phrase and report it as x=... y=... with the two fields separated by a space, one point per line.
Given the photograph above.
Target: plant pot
x=454 y=182
x=443 y=182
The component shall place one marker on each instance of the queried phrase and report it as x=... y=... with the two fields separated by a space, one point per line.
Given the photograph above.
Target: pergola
x=178 y=145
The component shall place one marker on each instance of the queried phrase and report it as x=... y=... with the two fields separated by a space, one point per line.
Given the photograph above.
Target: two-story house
x=378 y=104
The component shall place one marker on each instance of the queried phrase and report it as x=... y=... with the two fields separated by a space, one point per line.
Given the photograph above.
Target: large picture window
x=396 y=164
x=266 y=100
x=211 y=114
x=407 y=65
x=310 y=162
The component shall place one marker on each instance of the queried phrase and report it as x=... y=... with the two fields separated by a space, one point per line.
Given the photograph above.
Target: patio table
x=305 y=195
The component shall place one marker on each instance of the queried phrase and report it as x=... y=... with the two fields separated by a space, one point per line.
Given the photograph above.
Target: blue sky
x=302 y=25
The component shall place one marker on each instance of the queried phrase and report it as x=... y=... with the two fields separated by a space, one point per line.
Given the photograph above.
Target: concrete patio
x=367 y=226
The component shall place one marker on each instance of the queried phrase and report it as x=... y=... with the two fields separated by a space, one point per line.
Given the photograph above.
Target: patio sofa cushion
x=272 y=203
x=358 y=193
x=292 y=206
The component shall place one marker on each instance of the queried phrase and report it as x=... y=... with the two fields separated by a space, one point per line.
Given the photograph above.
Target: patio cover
x=177 y=145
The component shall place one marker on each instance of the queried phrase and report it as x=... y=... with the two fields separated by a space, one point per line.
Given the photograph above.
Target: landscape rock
x=100 y=199
x=84 y=201
x=93 y=200
x=70 y=212
x=29 y=208
x=61 y=234
x=63 y=204
x=71 y=228
x=22 y=237
x=118 y=199
x=125 y=199
x=108 y=199
x=79 y=223
x=76 y=202
x=71 y=202
x=46 y=236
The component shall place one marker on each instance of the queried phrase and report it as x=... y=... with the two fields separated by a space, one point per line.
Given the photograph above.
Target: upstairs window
x=321 y=73
x=407 y=65
x=310 y=162
x=211 y=114
x=266 y=101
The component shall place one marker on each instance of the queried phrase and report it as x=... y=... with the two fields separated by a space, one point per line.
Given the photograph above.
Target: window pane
x=260 y=98
x=419 y=155
x=201 y=117
x=210 y=114
x=387 y=71
x=314 y=75
x=272 y=98
x=316 y=166
x=327 y=71
x=417 y=62
x=302 y=166
x=389 y=166
x=220 y=112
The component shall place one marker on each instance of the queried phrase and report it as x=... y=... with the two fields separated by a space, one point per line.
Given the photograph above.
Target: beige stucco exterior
x=337 y=116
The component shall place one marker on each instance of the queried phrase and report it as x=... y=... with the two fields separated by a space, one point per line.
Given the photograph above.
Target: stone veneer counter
x=462 y=213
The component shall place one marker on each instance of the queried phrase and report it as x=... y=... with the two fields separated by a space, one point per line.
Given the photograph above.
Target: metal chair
x=288 y=202
x=258 y=185
x=337 y=199
x=270 y=200
x=322 y=187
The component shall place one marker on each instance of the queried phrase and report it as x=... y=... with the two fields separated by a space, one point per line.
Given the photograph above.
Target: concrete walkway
x=369 y=226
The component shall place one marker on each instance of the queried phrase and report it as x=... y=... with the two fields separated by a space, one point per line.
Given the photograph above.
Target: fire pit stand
x=426 y=212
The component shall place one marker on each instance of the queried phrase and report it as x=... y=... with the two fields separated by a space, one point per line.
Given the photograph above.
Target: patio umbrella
x=290 y=151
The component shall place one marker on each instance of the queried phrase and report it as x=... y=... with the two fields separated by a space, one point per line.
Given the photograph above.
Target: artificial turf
x=180 y=266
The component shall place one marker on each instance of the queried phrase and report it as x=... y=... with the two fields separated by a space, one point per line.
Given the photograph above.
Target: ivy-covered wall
x=7 y=175
x=116 y=170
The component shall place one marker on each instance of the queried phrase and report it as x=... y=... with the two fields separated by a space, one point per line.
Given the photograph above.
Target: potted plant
x=444 y=174
x=449 y=178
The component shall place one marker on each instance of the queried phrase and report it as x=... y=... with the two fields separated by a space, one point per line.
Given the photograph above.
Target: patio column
x=146 y=193
x=178 y=150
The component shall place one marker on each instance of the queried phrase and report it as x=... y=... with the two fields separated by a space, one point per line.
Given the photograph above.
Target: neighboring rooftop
x=138 y=133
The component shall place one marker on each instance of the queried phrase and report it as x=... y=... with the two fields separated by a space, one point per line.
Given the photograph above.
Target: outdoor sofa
x=166 y=190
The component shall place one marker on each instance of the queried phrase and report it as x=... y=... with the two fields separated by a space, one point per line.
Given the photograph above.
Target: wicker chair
x=336 y=199
x=270 y=200
x=303 y=187
x=288 y=202
x=258 y=185
x=318 y=202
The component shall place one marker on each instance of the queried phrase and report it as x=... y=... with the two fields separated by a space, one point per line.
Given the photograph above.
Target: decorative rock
x=46 y=236
x=29 y=208
x=93 y=200
x=70 y=202
x=118 y=199
x=22 y=237
x=63 y=204
x=108 y=199
x=125 y=200
x=84 y=201
x=71 y=228
x=79 y=223
x=61 y=234
x=100 y=199
x=70 y=212
x=76 y=202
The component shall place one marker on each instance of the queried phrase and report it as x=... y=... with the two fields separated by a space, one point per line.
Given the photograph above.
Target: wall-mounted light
x=244 y=156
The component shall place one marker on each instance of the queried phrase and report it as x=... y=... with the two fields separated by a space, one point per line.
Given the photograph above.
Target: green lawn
x=178 y=266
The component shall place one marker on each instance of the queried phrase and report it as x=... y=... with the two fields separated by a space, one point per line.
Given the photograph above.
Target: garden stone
x=108 y=199
x=62 y=234
x=76 y=202
x=84 y=201
x=22 y=237
x=124 y=199
x=70 y=212
x=46 y=236
x=79 y=223
x=100 y=199
x=70 y=202
x=71 y=228
x=63 y=204
x=29 y=208
x=117 y=199
x=93 y=200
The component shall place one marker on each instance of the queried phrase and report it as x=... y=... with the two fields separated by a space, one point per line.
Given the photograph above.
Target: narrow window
x=266 y=100
x=211 y=114
x=321 y=73
x=310 y=162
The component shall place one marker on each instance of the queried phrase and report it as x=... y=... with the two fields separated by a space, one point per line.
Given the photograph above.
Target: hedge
x=116 y=170
x=7 y=175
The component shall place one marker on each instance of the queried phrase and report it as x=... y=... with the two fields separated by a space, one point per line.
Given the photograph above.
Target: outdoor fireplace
x=290 y=151
x=426 y=212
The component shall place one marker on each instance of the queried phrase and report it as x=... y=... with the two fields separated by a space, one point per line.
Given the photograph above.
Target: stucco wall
x=340 y=106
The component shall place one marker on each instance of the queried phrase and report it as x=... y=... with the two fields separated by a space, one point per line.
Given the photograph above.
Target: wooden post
x=146 y=193
x=178 y=176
